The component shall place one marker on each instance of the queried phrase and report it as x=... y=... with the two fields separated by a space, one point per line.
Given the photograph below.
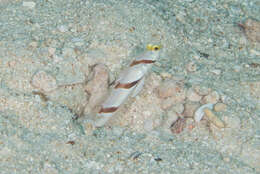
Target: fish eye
x=155 y=48
x=151 y=47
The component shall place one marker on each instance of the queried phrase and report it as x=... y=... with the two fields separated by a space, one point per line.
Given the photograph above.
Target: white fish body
x=129 y=82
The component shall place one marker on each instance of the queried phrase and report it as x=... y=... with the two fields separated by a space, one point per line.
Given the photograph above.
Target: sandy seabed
x=48 y=48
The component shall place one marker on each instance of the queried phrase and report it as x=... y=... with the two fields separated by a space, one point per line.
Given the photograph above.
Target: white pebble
x=167 y=103
x=178 y=108
x=247 y=66
x=51 y=50
x=191 y=67
x=57 y=59
x=202 y=90
x=237 y=68
x=255 y=52
x=216 y=71
x=165 y=75
x=29 y=4
x=63 y=28
x=213 y=97
x=200 y=112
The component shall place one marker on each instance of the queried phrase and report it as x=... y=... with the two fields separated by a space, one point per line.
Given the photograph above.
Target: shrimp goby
x=129 y=83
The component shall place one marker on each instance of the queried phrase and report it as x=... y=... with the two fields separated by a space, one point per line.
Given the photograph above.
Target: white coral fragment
x=200 y=112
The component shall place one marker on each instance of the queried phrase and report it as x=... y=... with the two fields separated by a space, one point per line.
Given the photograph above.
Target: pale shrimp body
x=130 y=82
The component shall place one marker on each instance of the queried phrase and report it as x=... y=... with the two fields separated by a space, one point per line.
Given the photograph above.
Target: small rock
x=178 y=126
x=190 y=108
x=226 y=159
x=178 y=108
x=167 y=89
x=252 y=30
x=12 y=63
x=213 y=98
x=165 y=75
x=29 y=4
x=73 y=29
x=225 y=99
x=202 y=90
x=219 y=107
x=172 y=89
x=44 y=81
x=246 y=65
x=193 y=96
x=167 y=103
x=213 y=118
x=171 y=118
x=191 y=67
x=88 y=126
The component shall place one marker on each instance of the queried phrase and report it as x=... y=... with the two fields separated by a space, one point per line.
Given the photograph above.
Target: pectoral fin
x=138 y=88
